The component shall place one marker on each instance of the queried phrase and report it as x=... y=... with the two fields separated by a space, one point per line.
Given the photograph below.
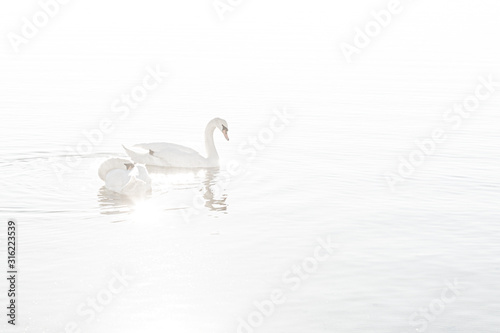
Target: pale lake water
x=205 y=245
x=200 y=269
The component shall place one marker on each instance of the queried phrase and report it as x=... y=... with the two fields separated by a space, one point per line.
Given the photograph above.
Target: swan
x=174 y=155
x=125 y=177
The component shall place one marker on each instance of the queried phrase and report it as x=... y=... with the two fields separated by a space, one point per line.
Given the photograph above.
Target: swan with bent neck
x=174 y=155
x=124 y=177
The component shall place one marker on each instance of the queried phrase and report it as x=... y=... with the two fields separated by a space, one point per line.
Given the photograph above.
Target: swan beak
x=129 y=166
x=224 y=131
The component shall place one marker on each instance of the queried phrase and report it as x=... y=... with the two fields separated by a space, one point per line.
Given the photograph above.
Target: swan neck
x=209 y=141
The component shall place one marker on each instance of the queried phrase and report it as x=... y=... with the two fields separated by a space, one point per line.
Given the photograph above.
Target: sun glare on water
x=146 y=211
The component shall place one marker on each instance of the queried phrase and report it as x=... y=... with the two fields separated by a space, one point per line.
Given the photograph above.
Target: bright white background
x=324 y=174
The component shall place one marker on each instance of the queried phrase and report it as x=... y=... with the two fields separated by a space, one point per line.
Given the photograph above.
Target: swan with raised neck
x=209 y=137
x=174 y=155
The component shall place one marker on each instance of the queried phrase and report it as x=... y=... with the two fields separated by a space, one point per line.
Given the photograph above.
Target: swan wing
x=166 y=154
x=159 y=147
x=141 y=155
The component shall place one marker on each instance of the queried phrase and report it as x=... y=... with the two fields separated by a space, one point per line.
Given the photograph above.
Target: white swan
x=123 y=176
x=173 y=155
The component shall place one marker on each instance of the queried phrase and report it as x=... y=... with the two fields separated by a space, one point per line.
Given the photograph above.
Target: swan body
x=124 y=177
x=174 y=155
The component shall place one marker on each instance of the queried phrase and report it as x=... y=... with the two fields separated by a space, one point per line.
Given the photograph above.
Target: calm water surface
x=206 y=244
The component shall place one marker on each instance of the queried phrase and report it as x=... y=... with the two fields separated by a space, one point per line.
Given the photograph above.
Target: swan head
x=114 y=163
x=222 y=125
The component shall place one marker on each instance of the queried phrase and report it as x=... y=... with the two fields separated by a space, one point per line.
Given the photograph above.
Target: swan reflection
x=215 y=194
x=189 y=191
